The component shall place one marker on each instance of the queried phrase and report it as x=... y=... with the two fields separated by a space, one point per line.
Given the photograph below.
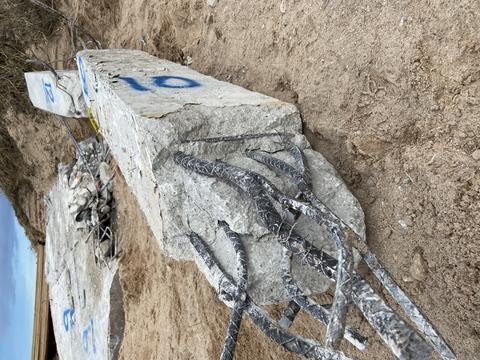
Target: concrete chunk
x=61 y=96
x=147 y=108
x=85 y=295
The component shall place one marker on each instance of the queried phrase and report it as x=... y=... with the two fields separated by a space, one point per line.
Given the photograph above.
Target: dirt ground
x=388 y=92
x=42 y=143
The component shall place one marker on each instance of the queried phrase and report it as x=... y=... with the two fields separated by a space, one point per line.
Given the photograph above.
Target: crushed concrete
x=85 y=293
x=147 y=108
x=61 y=96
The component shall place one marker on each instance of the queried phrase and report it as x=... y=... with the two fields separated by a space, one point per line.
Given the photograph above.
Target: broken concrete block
x=62 y=96
x=85 y=296
x=148 y=108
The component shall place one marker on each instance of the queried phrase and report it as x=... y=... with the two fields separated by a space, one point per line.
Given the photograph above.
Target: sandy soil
x=42 y=143
x=388 y=92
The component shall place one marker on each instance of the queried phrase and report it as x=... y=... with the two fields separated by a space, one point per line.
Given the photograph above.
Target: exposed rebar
x=226 y=289
x=402 y=340
x=239 y=137
x=289 y=314
x=332 y=220
x=241 y=292
x=300 y=161
x=338 y=315
x=413 y=312
x=310 y=306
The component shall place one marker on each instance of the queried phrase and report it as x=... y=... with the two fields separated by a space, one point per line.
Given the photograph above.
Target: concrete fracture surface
x=148 y=108
x=61 y=96
x=85 y=294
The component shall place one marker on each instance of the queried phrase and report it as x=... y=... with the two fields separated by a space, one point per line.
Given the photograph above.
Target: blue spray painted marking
x=89 y=330
x=178 y=83
x=47 y=89
x=68 y=318
x=134 y=84
x=83 y=77
x=169 y=82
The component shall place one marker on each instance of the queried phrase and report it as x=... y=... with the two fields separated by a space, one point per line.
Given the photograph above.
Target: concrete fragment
x=88 y=178
x=85 y=299
x=147 y=108
x=61 y=96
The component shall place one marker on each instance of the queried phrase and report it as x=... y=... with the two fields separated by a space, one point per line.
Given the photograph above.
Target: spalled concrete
x=84 y=288
x=61 y=96
x=147 y=107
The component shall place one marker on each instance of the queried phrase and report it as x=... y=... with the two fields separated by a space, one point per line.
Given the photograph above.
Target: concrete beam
x=147 y=108
x=61 y=96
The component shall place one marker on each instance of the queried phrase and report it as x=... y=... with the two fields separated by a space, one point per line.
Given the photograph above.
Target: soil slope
x=388 y=92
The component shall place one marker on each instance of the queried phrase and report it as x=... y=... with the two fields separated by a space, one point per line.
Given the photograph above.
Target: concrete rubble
x=81 y=266
x=147 y=108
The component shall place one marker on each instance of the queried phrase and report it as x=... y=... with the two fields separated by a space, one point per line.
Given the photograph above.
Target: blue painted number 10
x=169 y=82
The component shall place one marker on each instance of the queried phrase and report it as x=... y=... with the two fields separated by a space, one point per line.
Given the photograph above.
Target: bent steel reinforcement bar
x=241 y=293
x=331 y=221
x=314 y=309
x=404 y=342
x=226 y=288
x=289 y=314
x=341 y=301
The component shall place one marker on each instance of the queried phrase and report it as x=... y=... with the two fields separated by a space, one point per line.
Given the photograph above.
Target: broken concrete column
x=60 y=95
x=85 y=293
x=148 y=108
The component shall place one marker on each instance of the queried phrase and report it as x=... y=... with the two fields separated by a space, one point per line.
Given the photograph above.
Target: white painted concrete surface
x=146 y=107
x=61 y=96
